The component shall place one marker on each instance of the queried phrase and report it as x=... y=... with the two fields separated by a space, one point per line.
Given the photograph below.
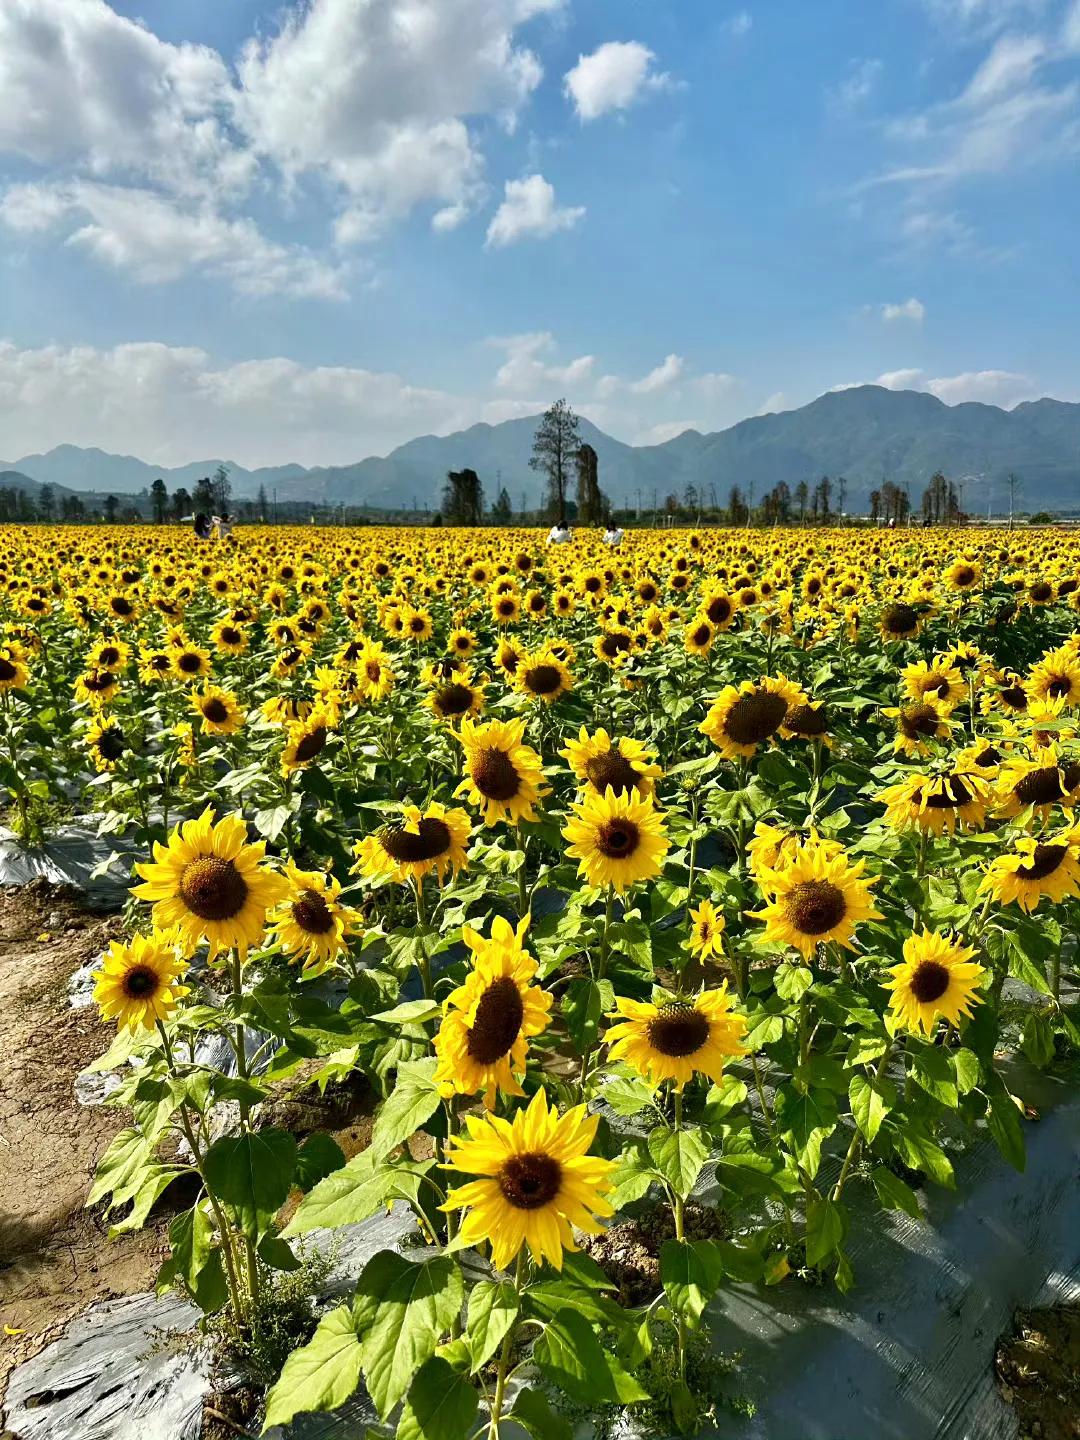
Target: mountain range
x=866 y=434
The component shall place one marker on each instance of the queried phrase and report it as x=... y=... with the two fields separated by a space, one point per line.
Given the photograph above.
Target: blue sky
x=313 y=231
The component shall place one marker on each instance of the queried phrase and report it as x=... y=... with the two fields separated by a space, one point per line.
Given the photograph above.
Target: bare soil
x=55 y=1258
x=630 y=1251
x=1038 y=1372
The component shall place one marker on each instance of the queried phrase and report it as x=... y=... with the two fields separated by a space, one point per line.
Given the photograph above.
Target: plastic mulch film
x=71 y=855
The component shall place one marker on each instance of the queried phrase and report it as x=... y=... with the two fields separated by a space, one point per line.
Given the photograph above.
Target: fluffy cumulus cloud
x=1004 y=388
x=374 y=109
x=660 y=378
x=911 y=309
x=529 y=210
x=613 y=77
x=528 y=368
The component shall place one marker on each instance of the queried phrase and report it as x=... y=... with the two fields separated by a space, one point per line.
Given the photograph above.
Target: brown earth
x=1038 y=1372
x=55 y=1258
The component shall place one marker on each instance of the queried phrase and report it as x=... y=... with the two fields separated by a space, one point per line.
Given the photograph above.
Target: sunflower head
x=622 y=765
x=677 y=1038
x=817 y=898
x=418 y=843
x=936 y=980
x=618 y=839
x=504 y=777
x=137 y=985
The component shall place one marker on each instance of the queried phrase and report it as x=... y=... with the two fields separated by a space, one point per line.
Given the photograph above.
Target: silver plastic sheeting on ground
x=134 y=1369
x=908 y=1355
x=71 y=855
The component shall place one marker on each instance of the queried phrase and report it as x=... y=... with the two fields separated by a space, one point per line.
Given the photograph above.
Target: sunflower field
x=681 y=890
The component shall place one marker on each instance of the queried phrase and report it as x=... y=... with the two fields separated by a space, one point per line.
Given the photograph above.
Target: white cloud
x=529 y=209
x=1070 y=29
x=856 y=88
x=376 y=96
x=155 y=240
x=716 y=386
x=774 y=404
x=1004 y=388
x=82 y=86
x=666 y=430
x=912 y=309
x=741 y=23
x=524 y=369
x=663 y=375
x=611 y=78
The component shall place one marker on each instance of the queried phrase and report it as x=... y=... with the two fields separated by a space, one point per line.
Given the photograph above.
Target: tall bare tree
x=555 y=448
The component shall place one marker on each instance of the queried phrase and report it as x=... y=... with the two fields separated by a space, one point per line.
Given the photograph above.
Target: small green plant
x=283 y=1318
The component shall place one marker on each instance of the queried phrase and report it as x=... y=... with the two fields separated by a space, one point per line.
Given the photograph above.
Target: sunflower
x=454 y=697
x=935 y=979
x=699 y=635
x=306 y=740
x=229 y=637
x=678 y=1038
x=190 y=662
x=1056 y=677
x=508 y=656
x=461 y=642
x=624 y=764
x=613 y=646
x=13 y=672
x=900 y=621
x=743 y=717
x=938 y=803
x=809 y=721
x=708 y=927
x=155 y=665
x=917 y=725
x=1035 y=868
x=96 y=688
x=219 y=710
x=109 y=655
x=618 y=839
x=311 y=923
x=487 y=1021
x=137 y=983
x=107 y=744
x=538 y=1183
x=542 y=676
x=1006 y=692
x=210 y=883
x=1043 y=781
x=817 y=898
x=421 y=841
x=718 y=608
x=504 y=778
x=963 y=575
x=374 y=672
x=937 y=681
x=417 y=625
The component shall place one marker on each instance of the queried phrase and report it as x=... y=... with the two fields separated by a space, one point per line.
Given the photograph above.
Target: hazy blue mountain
x=866 y=434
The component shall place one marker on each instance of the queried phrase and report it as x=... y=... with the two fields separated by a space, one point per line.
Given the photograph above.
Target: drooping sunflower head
x=937 y=979
x=622 y=765
x=210 y=884
x=743 y=718
x=107 y=744
x=504 y=777
x=137 y=984
x=677 y=1038
x=306 y=739
x=918 y=724
x=311 y=923
x=618 y=839
x=900 y=621
x=941 y=804
x=419 y=843
x=1048 y=866
x=817 y=898
x=482 y=1042
x=1040 y=781
x=456 y=696
x=535 y=1181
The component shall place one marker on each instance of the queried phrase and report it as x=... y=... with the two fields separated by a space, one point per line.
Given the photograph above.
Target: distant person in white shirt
x=223 y=525
x=613 y=536
x=560 y=535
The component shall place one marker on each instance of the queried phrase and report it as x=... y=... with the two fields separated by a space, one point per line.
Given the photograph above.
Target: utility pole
x=1013 y=482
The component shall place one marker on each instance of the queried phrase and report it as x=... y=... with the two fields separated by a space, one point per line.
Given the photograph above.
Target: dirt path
x=55 y=1258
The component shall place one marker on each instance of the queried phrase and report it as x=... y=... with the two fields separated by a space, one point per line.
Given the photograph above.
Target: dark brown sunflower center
x=109 y=655
x=611 y=768
x=929 y=982
x=498 y=1022
x=918 y=720
x=1044 y=861
x=718 y=609
x=1016 y=696
x=618 y=839
x=702 y=635
x=8 y=672
x=531 y=1181
x=213 y=888
x=543 y=679
x=1040 y=787
x=190 y=664
x=1059 y=686
x=989 y=756
x=494 y=775
x=311 y=744
x=807 y=720
x=373 y=671
x=121 y=606
x=815 y=906
x=140 y=983
x=111 y=743
x=965 y=575
x=615 y=644
x=952 y=795
x=453 y=700
x=900 y=619
x=755 y=717
x=431 y=839
x=1041 y=591
x=312 y=913
x=678 y=1030
x=216 y=711
x=231 y=636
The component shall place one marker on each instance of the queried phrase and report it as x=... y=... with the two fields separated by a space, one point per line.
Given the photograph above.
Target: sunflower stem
x=422 y=922
x=242 y=1070
x=678 y=1206
x=504 y=1357
x=522 y=877
x=855 y=1148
